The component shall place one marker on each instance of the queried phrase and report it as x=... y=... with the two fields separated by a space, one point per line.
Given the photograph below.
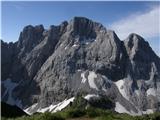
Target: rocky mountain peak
x=29 y=38
x=84 y=27
x=39 y=28
x=136 y=41
x=75 y=56
x=64 y=24
x=137 y=48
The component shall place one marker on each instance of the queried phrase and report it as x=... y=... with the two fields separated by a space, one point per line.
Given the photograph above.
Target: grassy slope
x=87 y=114
x=79 y=110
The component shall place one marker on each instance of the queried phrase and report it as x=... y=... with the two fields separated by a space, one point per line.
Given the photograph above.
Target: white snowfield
x=91 y=79
x=63 y=104
x=79 y=70
x=83 y=77
x=65 y=47
x=137 y=92
x=51 y=108
x=75 y=45
x=10 y=86
x=148 y=111
x=121 y=88
x=89 y=96
x=120 y=109
x=27 y=110
x=151 y=91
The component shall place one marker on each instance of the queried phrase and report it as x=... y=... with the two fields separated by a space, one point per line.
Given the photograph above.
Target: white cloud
x=145 y=24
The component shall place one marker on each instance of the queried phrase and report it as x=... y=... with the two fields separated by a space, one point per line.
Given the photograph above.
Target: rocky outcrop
x=80 y=56
x=29 y=38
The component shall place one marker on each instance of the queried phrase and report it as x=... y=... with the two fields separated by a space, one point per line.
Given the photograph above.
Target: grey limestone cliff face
x=7 y=53
x=80 y=56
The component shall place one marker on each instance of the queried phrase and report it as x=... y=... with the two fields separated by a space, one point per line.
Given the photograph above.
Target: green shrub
x=50 y=116
x=79 y=103
x=92 y=112
x=72 y=113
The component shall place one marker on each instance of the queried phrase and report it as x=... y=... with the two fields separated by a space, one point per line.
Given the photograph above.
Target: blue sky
x=123 y=17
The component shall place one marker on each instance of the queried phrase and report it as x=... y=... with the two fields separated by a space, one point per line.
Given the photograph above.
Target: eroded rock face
x=142 y=57
x=80 y=56
x=29 y=38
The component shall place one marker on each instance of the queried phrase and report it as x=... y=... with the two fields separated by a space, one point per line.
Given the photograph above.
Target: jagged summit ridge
x=80 y=56
x=85 y=27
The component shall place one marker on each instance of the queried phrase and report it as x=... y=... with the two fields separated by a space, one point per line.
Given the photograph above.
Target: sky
x=122 y=17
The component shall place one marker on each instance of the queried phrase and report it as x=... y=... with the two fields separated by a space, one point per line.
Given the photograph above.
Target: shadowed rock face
x=141 y=54
x=80 y=56
x=9 y=111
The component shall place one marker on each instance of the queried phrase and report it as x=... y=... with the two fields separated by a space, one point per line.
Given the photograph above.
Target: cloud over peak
x=145 y=24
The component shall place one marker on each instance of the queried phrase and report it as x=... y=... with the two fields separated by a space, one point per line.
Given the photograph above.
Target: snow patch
x=51 y=108
x=63 y=104
x=120 y=108
x=61 y=45
x=65 y=47
x=102 y=31
x=91 y=77
x=87 y=40
x=29 y=109
x=151 y=91
x=42 y=110
x=26 y=111
x=87 y=43
x=120 y=86
x=75 y=45
x=104 y=89
x=137 y=92
x=148 y=111
x=89 y=96
x=79 y=70
x=83 y=77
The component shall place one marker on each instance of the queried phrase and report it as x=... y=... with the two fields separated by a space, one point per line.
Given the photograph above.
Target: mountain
x=11 y=111
x=45 y=69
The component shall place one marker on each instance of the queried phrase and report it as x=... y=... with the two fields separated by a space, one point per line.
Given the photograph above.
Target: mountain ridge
x=80 y=55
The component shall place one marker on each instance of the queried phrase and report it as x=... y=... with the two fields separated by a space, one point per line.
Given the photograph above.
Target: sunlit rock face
x=48 y=66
